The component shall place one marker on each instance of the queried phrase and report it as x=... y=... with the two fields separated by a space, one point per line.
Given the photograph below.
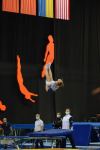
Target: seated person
x=50 y=83
x=39 y=126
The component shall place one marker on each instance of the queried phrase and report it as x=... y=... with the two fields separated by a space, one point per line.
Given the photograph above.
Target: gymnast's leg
x=48 y=73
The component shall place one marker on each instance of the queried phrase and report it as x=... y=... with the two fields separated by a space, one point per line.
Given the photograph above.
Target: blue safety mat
x=51 y=133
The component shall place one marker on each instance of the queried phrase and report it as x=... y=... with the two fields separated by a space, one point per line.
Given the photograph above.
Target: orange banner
x=22 y=87
x=28 y=7
x=10 y=5
x=49 y=54
x=2 y=106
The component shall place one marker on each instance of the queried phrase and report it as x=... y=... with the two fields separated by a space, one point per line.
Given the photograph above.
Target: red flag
x=62 y=9
x=10 y=5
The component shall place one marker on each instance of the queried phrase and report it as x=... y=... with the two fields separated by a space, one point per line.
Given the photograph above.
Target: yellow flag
x=49 y=8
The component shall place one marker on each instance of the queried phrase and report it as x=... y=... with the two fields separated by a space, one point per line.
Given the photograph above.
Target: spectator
x=67 y=120
x=6 y=127
x=39 y=126
x=67 y=124
x=7 y=130
x=57 y=124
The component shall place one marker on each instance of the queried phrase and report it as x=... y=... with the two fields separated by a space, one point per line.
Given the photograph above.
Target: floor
x=28 y=146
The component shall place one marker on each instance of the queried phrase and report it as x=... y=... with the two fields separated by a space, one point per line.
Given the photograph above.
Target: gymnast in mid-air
x=52 y=85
